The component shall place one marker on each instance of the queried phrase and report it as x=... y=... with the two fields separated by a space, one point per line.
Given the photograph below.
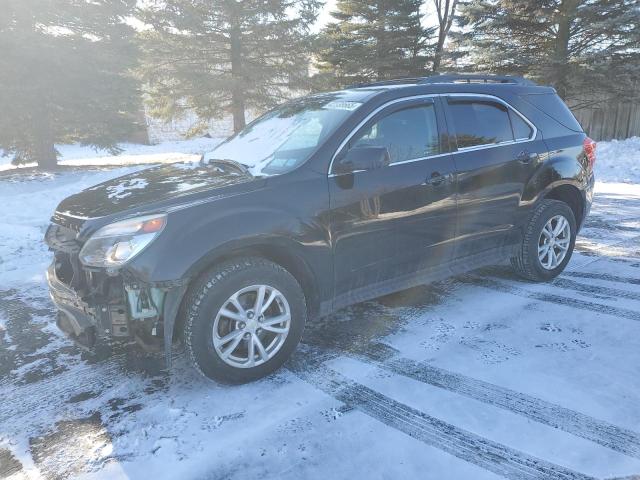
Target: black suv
x=323 y=202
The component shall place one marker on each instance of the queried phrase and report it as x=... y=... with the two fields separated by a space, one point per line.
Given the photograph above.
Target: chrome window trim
x=419 y=159
x=534 y=129
x=365 y=120
x=533 y=136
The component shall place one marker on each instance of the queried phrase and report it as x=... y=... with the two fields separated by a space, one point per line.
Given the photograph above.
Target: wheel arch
x=281 y=251
x=571 y=195
x=561 y=176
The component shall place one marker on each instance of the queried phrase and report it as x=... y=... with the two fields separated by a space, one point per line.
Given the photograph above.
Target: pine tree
x=574 y=45
x=65 y=76
x=374 y=40
x=216 y=57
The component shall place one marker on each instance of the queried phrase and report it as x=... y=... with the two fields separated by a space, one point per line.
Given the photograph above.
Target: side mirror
x=363 y=158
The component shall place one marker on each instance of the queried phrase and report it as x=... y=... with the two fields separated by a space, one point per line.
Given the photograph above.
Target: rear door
x=389 y=223
x=497 y=152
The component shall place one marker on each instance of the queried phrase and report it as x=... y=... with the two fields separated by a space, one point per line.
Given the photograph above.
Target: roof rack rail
x=450 y=78
x=380 y=83
x=476 y=78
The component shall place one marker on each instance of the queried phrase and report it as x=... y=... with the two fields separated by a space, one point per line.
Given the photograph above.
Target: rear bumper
x=588 y=199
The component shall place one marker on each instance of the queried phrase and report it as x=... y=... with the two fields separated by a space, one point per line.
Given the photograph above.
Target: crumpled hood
x=153 y=186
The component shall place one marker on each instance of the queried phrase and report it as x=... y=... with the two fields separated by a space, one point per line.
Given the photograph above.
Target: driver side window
x=408 y=134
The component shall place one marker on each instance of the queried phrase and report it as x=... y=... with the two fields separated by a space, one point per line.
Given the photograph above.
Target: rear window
x=480 y=123
x=553 y=106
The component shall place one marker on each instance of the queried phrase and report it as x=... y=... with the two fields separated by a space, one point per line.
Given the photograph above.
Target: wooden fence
x=606 y=120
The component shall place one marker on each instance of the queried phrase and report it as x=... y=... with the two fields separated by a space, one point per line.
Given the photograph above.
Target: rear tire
x=547 y=243
x=225 y=338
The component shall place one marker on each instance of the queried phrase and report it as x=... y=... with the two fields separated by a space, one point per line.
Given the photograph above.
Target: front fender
x=189 y=240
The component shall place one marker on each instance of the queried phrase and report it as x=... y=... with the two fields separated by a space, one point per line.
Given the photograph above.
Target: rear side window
x=479 y=122
x=521 y=129
x=408 y=134
x=553 y=106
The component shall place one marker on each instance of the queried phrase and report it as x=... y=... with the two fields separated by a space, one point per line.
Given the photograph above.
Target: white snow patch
x=123 y=190
x=5 y=339
x=618 y=161
x=185 y=186
x=132 y=154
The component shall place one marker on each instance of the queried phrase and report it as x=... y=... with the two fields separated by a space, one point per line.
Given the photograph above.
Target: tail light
x=589 y=147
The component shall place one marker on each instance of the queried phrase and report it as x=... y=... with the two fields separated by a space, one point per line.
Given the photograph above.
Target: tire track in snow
x=550 y=298
x=603 y=433
x=472 y=448
x=598 y=252
x=566 y=284
x=603 y=276
x=594 y=289
x=602 y=223
x=507 y=274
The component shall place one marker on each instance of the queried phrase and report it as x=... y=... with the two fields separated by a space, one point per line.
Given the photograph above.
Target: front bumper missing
x=85 y=321
x=75 y=317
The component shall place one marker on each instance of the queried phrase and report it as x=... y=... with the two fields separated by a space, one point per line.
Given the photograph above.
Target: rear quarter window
x=553 y=106
x=521 y=129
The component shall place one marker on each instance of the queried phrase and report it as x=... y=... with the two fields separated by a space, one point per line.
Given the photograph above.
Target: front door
x=391 y=223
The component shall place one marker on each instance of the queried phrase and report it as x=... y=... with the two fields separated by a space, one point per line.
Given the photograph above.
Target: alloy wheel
x=554 y=242
x=251 y=326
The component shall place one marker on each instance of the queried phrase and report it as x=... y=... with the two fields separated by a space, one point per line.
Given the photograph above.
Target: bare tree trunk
x=239 y=121
x=44 y=150
x=381 y=55
x=141 y=134
x=237 y=95
x=446 y=12
x=437 y=57
x=561 y=54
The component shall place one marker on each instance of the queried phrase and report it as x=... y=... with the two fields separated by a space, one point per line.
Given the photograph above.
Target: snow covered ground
x=165 y=152
x=478 y=377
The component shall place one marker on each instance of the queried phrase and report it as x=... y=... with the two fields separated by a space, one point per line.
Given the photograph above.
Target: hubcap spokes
x=554 y=242
x=251 y=326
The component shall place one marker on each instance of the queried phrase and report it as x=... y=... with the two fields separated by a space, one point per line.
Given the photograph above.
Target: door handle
x=437 y=178
x=526 y=157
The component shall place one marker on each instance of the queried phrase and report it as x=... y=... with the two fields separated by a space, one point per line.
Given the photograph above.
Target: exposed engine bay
x=96 y=302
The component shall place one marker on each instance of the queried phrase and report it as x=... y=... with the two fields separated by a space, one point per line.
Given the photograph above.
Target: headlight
x=117 y=243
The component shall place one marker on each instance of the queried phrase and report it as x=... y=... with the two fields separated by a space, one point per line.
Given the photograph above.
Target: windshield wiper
x=233 y=163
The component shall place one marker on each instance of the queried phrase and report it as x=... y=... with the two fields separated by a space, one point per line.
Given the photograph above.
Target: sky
x=324 y=16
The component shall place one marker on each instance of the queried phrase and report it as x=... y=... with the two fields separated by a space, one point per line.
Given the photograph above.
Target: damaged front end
x=97 y=298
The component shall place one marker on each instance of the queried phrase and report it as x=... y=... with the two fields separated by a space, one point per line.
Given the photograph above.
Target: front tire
x=548 y=242
x=244 y=318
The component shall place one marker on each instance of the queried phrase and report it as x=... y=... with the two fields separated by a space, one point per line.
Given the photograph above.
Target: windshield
x=285 y=137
